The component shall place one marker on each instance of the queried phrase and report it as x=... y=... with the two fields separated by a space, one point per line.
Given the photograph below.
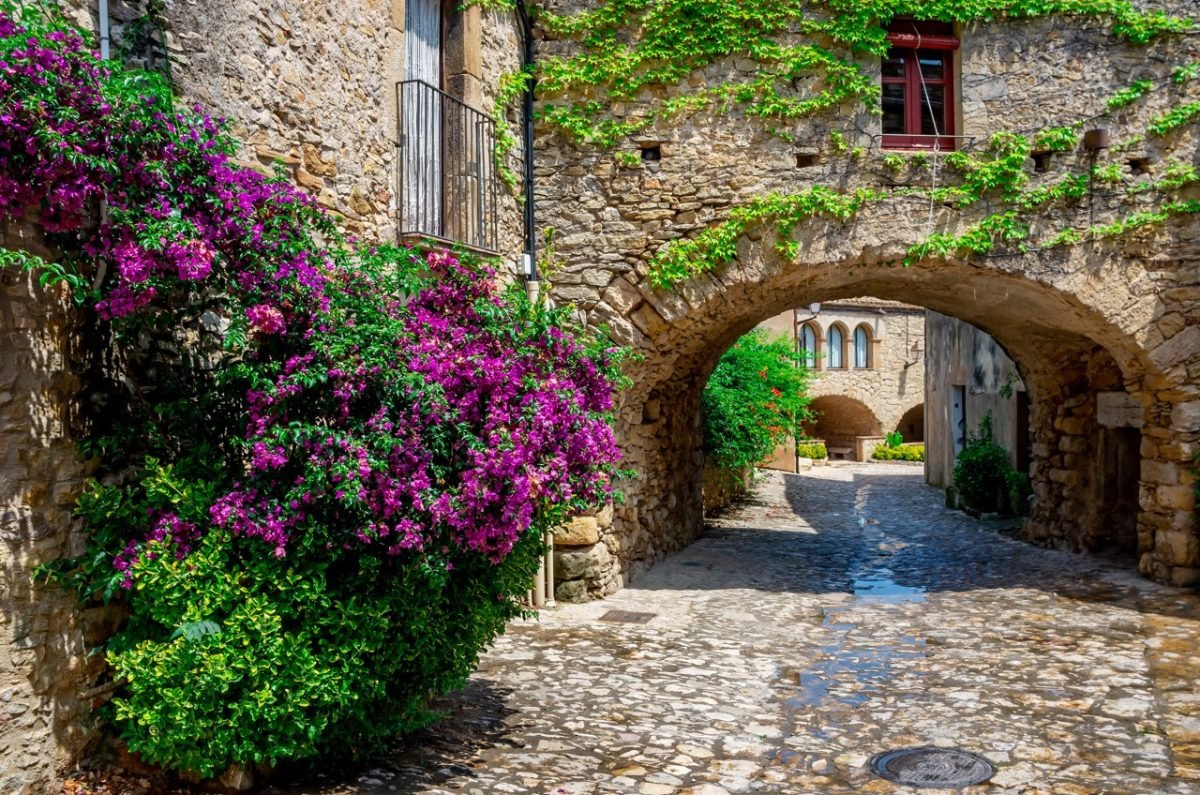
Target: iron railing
x=449 y=189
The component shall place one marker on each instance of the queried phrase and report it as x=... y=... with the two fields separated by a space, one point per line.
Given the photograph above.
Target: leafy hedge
x=335 y=464
x=814 y=450
x=904 y=452
x=755 y=400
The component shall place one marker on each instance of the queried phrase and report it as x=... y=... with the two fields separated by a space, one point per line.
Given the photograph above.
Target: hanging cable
x=937 y=139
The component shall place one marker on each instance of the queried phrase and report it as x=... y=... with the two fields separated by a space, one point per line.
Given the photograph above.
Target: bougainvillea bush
x=320 y=507
x=756 y=398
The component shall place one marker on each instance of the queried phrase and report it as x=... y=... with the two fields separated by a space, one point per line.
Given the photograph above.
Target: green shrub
x=904 y=452
x=814 y=450
x=983 y=478
x=302 y=656
x=893 y=439
x=755 y=400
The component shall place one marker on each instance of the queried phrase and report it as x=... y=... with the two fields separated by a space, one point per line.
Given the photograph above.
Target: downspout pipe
x=527 y=125
x=102 y=14
x=105 y=36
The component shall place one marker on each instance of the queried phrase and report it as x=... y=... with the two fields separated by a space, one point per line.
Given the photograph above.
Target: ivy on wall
x=795 y=58
x=636 y=63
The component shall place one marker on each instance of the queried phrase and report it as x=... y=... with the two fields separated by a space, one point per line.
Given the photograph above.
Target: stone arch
x=1065 y=315
x=912 y=425
x=840 y=420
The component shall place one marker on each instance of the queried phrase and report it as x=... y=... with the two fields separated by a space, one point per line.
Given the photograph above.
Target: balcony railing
x=449 y=189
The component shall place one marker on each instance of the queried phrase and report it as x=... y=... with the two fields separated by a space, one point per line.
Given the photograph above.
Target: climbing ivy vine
x=635 y=63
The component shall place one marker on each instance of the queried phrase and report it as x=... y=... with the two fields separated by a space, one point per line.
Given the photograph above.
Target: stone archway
x=1077 y=321
x=840 y=420
x=912 y=425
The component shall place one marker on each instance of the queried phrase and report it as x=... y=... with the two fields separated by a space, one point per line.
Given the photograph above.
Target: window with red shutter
x=918 y=86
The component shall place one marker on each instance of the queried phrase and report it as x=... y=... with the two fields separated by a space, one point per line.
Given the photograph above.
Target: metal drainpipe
x=527 y=124
x=102 y=13
x=548 y=565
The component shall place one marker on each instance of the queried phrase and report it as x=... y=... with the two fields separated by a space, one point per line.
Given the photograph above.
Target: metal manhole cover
x=627 y=617
x=933 y=767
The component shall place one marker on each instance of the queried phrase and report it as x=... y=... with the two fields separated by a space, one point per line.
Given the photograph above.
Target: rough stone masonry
x=1120 y=314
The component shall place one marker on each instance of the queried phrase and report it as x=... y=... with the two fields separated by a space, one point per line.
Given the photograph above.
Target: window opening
x=862 y=348
x=836 y=342
x=918 y=86
x=808 y=346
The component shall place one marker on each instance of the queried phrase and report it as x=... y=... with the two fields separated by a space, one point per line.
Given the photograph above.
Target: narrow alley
x=834 y=616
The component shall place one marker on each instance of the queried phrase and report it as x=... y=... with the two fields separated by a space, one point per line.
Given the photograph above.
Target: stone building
x=1112 y=309
x=968 y=376
x=869 y=356
x=320 y=89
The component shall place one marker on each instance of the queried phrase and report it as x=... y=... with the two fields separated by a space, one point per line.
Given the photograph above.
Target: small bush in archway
x=815 y=450
x=984 y=480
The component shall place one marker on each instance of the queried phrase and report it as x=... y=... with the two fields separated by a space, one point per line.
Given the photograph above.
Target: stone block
x=1162 y=472
x=586 y=563
x=1177 y=498
x=579 y=532
x=574 y=591
x=1184 y=576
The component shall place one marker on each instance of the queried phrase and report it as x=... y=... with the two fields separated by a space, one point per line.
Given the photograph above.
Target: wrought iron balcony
x=449 y=189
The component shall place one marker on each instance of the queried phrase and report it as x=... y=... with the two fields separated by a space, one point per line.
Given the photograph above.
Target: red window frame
x=912 y=40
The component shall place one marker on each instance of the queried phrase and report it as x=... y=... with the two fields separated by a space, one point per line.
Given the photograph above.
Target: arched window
x=862 y=348
x=837 y=344
x=808 y=345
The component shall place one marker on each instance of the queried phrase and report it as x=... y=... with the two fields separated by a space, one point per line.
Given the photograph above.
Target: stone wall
x=961 y=356
x=1134 y=300
x=313 y=86
x=43 y=670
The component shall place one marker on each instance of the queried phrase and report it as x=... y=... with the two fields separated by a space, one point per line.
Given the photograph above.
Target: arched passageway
x=1080 y=323
x=912 y=425
x=840 y=420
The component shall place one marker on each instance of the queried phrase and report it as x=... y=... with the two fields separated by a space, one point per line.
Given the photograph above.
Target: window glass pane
x=808 y=346
x=893 y=65
x=934 y=124
x=860 y=348
x=893 y=108
x=933 y=65
x=835 y=348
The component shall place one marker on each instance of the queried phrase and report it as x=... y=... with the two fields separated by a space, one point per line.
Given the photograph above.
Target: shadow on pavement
x=476 y=718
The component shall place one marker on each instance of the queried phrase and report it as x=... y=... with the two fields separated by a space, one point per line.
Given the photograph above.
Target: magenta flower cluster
x=451 y=423
x=424 y=421
x=179 y=211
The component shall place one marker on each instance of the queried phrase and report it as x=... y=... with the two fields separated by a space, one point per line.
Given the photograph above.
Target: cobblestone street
x=835 y=615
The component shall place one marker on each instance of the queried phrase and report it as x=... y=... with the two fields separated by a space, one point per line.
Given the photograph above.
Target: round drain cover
x=933 y=767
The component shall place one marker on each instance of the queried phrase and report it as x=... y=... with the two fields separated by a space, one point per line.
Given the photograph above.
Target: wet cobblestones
x=833 y=616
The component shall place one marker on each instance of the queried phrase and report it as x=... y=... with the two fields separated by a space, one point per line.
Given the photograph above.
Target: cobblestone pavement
x=835 y=615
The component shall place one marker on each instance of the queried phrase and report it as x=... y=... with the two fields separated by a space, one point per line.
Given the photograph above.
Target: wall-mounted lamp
x=918 y=347
x=815 y=309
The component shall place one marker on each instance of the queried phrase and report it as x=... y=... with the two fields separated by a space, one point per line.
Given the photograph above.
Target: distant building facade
x=869 y=356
